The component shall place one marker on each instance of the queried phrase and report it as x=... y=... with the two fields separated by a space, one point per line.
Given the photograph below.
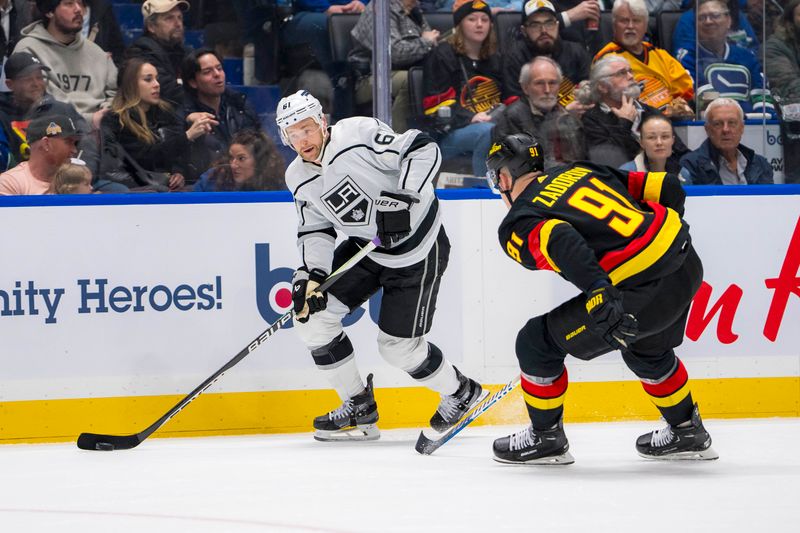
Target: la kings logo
x=348 y=203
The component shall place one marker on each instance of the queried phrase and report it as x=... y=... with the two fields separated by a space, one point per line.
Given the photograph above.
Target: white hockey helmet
x=296 y=107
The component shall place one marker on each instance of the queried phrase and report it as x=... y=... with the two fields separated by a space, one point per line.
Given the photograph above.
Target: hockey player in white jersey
x=361 y=179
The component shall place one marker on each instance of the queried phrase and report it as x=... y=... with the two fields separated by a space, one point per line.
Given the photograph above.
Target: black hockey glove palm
x=306 y=299
x=393 y=217
x=611 y=322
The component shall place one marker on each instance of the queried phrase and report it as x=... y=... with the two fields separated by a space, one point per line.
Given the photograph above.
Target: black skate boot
x=678 y=443
x=534 y=447
x=355 y=420
x=454 y=406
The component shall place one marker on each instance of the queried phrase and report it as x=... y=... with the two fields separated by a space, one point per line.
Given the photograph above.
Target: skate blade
x=709 y=454
x=357 y=433
x=565 y=458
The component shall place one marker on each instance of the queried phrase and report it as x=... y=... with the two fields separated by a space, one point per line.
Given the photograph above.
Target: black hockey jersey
x=590 y=222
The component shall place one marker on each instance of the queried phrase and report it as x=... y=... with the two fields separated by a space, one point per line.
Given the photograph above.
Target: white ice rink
x=292 y=483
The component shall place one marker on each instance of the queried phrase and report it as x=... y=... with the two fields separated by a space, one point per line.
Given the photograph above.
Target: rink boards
x=112 y=308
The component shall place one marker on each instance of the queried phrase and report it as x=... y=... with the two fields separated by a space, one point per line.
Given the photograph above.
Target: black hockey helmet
x=520 y=153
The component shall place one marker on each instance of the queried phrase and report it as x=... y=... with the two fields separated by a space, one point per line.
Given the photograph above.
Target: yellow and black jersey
x=590 y=222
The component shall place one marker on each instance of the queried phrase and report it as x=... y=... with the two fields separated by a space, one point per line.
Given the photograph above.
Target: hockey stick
x=94 y=441
x=427 y=446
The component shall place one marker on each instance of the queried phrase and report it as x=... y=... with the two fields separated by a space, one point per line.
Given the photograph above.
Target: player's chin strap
x=507 y=194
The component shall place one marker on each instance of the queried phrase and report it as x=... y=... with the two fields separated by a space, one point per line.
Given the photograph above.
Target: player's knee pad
x=538 y=355
x=403 y=353
x=322 y=327
x=333 y=354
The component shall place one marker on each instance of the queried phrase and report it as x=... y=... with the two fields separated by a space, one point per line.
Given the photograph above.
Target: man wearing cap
x=539 y=36
x=28 y=99
x=53 y=142
x=162 y=44
x=81 y=73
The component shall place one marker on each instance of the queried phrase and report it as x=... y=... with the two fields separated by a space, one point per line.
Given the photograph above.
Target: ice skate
x=355 y=420
x=454 y=406
x=534 y=447
x=690 y=443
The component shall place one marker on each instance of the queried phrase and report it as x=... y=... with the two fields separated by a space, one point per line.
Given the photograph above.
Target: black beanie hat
x=47 y=6
x=463 y=8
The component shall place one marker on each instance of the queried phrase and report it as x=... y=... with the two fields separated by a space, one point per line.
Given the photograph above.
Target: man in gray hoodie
x=81 y=73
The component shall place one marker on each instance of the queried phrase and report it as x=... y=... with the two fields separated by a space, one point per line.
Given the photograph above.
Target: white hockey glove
x=393 y=217
x=306 y=299
x=617 y=327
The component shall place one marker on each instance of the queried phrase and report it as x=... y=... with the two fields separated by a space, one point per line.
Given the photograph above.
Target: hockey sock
x=544 y=398
x=671 y=394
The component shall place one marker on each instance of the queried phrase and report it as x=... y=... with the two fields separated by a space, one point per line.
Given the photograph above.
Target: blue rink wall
x=113 y=307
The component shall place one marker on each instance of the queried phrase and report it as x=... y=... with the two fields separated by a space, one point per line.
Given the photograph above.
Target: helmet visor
x=493 y=179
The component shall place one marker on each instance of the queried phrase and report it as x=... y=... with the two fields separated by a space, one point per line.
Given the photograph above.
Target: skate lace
x=662 y=437
x=342 y=412
x=448 y=407
x=521 y=439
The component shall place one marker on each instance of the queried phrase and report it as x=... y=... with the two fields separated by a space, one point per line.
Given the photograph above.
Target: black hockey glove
x=611 y=322
x=393 y=217
x=306 y=299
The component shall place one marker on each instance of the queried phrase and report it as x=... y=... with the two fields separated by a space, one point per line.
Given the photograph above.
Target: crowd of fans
x=591 y=79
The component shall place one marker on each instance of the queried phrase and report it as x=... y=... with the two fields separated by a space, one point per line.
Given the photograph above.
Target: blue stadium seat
x=263 y=98
x=195 y=38
x=234 y=70
x=131 y=34
x=128 y=15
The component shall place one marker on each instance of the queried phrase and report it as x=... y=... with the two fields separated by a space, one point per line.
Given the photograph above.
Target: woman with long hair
x=146 y=127
x=462 y=80
x=656 y=139
x=254 y=164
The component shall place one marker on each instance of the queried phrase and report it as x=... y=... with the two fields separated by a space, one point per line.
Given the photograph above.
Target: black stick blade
x=95 y=442
x=424 y=445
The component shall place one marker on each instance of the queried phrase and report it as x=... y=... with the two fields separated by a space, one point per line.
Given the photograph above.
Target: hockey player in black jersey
x=620 y=238
x=360 y=179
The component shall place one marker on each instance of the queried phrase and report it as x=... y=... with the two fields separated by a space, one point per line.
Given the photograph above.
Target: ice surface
x=293 y=483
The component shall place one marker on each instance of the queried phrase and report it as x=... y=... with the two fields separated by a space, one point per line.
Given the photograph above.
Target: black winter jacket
x=235 y=114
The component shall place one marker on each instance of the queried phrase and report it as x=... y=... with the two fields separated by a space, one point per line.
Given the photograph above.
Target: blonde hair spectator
x=72 y=178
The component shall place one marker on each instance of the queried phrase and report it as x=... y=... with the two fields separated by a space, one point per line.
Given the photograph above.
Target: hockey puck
x=104 y=446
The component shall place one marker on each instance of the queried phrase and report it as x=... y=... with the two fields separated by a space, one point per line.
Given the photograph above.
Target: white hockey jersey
x=363 y=157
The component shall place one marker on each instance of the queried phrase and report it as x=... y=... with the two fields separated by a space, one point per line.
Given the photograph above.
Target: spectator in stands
x=411 y=40
x=53 y=141
x=783 y=71
x=11 y=22
x=666 y=84
x=729 y=70
x=657 y=140
x=100 y=26
x=722 y=159
x=254 y=164
x=462 y=85
x=226 y=110
x=612 y=126
x=309 y=26
x=539 y=36
x=162 y=45
x=28 y=99
x=72 y=178
x=148 y=130
x=539 y=114
x=81 y=73
x=763 y=15
x=739 y=32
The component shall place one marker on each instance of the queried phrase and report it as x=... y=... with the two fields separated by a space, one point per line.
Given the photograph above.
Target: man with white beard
x=611 y=127
x=539 y=114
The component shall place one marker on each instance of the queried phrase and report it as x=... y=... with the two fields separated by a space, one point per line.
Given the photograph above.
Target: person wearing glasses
x=539 y=36
x=720 y=67
x=538 y=113
x=613 y=126
x=666 y=84
x=741 y=32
